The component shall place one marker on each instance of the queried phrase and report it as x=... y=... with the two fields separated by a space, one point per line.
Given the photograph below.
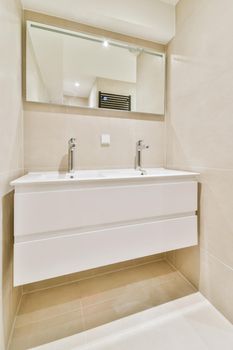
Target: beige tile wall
x=11 y=155
x=199 y=137
x=46 y=135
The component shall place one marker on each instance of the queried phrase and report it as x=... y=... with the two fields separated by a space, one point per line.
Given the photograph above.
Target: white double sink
x=65 y=223
x=87 y=175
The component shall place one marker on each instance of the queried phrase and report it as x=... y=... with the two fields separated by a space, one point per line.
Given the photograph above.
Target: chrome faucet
x=139 y=147
x=71 y=156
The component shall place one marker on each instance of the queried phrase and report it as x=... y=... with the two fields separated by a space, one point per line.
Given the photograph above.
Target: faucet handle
x=72 y=141
x=141 y=145
x=139 y=142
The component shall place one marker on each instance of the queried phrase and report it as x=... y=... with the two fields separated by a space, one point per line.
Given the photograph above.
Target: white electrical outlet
x=105 y=140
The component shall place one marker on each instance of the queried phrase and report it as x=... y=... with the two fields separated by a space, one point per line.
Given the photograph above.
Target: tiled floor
x=59 y=312
x=188 y=323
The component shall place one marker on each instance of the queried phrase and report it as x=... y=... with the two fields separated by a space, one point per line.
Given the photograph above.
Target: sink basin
x=98 y=175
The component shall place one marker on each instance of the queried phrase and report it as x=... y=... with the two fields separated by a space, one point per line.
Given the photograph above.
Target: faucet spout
x=71 y=155
x=139 y=147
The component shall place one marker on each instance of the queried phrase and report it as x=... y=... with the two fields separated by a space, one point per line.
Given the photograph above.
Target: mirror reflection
x=75 y=69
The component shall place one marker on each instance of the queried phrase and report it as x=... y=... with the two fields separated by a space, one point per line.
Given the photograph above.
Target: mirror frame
x=94 y=31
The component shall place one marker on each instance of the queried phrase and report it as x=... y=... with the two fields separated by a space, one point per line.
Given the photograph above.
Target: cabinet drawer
x=47 y=258
x=39 y=212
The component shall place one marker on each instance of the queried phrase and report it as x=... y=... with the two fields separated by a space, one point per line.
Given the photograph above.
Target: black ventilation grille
x=112 y=101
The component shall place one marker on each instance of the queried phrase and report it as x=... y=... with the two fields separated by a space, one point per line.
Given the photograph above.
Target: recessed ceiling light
x=77 y=84
x=105 y=43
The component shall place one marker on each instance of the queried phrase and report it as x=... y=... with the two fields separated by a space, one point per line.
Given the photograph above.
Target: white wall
x=150 y=83
x=36 y=89
x=149 y=19
x=48 y=50
x=93 y=97
x=75 y=101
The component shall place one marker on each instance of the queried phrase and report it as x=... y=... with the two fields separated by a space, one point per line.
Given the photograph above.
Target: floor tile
x=54 y=313
x=187 y=323
x=47 y=330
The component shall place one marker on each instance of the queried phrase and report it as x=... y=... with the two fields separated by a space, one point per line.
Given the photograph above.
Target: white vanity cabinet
x=65 y=225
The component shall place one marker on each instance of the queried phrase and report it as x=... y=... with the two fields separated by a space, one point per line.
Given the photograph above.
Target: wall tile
x=199 y=128
x=11 y=155
x=47 y=135
x=216 y=283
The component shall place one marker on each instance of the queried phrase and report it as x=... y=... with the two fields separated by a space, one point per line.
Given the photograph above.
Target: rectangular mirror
x=75 y=69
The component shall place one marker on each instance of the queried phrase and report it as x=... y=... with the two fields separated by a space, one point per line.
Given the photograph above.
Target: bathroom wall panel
x=199 y=128
x=47 y=131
